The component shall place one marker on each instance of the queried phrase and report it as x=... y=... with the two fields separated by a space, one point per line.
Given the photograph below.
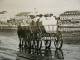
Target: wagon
x=32 y=37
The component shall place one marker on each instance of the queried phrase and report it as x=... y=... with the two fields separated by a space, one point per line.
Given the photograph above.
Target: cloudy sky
x=52 y=6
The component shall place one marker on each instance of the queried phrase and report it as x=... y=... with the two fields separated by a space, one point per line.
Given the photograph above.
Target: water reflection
x=43 y=54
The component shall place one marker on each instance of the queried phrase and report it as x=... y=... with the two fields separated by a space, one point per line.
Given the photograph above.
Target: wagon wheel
x=39 y=44
x=58 y=41
x=47 y=43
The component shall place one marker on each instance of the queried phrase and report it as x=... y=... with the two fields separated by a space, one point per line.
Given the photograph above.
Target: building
x=69 y=23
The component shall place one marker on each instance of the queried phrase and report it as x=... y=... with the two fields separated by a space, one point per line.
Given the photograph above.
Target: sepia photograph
x=39 y=29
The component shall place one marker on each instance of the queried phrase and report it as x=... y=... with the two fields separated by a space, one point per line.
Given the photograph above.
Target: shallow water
x=9 y=47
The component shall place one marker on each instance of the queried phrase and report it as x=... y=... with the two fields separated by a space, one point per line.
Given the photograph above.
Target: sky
x=47 y=6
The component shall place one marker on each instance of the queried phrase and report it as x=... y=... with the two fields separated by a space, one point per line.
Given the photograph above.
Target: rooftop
x=70 y=13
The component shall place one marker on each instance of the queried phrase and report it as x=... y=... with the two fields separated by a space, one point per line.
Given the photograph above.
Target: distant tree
x=23 y=13
x=3 y=12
